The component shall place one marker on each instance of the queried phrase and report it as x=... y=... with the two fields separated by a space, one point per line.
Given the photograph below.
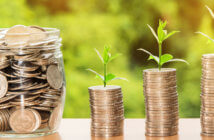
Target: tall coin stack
x=207 y=95
x=107 y=112
x=161 y=101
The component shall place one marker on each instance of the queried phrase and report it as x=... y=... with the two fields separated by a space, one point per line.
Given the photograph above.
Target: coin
x=37 y=34
x=55 y=118
x=17 y=34
x=25 y=121
x=3 y=85
x=54 y=77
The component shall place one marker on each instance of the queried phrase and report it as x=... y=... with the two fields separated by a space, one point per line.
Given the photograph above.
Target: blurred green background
x=89 y=24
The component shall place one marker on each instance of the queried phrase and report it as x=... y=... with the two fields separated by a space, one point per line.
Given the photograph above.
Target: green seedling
x=161 y=36
x=205 y=35
x=106 y=58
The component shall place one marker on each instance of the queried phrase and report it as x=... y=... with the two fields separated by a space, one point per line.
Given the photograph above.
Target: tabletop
x=79 y=129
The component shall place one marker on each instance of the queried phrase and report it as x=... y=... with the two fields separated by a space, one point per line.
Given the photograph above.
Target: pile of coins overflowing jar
x=207 y=95
x=107 y=111
x=32 y=88
x=161 y=102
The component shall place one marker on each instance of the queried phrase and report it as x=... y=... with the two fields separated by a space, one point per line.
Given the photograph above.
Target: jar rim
x=47 y=31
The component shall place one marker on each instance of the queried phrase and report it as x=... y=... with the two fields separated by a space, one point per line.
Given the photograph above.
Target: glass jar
x=32 y=89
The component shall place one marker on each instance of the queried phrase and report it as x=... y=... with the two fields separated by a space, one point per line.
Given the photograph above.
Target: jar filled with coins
x=32 y=88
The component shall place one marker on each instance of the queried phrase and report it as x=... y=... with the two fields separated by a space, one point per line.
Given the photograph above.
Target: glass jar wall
x=32 y=88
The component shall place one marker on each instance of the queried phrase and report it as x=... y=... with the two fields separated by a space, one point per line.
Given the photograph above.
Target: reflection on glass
x=108 y=138
x=163 y=138
x=207 y=138
x=55 y=136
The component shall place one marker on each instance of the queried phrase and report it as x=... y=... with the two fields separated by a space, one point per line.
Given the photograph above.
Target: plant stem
x=105 y=69
x=160 y=54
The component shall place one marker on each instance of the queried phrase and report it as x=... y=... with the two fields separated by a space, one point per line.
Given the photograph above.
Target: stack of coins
x=161 y=101
x=207 y=95
x=107 y=111
x=32 y=80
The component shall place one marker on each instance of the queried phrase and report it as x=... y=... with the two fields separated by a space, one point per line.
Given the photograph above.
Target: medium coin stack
x=31 y=77
x=107 y=111
x=161 y=102
x=207 y=95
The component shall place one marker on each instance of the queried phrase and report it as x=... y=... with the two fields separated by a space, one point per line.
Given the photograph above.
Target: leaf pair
x=106 y=57
x=212 y=14
x=166 y=58
x=161 y=32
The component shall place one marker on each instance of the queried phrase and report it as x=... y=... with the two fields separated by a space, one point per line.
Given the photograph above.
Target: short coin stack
x=161 y=101
x=31 y=79
x=107 y=111
x=207 y=95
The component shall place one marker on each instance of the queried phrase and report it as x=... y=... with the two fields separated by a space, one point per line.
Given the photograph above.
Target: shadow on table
x=207 y=138
x=55 y=136
x=109 y=138
x=176 y=137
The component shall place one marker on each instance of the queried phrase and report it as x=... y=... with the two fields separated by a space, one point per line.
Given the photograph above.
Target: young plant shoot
x=212 y=15
x=161 y=36
x=106 y=58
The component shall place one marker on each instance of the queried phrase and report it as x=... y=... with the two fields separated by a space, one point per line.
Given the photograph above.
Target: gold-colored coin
x=3 y=85
x=55 y=118
x=25 y=121
x=54 y=77
x=17 y=34
x=37 y=34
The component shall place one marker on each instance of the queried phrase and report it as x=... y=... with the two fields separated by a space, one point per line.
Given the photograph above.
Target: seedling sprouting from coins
x=212 y=14
x=106 y=58
x=161 y=36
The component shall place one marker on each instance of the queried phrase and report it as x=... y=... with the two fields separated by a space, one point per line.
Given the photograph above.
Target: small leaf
x=161 y=32
x=153 y=32
x=165 y=58
x=115 y=56
x=205 y=36
x=98 y=77
x=178 y=60
x=120 y=78
x=97 y=74
x=106 y=54
x=210 y=11
x=209 y=41
x=109 y=77
x=170 y=34
x=98 y=53
x=151 y=56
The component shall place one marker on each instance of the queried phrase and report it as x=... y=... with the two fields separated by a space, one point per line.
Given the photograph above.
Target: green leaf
x=98 y=53
x=170 y=34
x=210 y=11
x=165 y=58
x=115 y=56
x=97 y=74
x=151 y=56
x=205 y=36
x=153 y=32
x=161 y=32
x=178 y=60
x=209 y=41
x=110 y=77
x=120 y=78
x=106 y=54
